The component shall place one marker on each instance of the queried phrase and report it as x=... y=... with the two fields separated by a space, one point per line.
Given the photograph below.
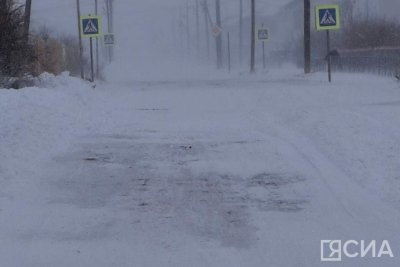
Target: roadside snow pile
x=48 y=80
x=34 y=120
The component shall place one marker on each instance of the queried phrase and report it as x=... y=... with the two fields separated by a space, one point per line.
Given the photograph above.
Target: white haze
x=150 y=41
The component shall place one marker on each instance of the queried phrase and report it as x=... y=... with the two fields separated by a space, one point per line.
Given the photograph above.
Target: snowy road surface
x=215 y=172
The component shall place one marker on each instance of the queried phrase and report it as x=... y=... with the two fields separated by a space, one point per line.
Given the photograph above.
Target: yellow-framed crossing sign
x=327 y=17
x=90 y=26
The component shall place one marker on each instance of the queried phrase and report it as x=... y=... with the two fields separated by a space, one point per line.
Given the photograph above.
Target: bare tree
x=16 y=54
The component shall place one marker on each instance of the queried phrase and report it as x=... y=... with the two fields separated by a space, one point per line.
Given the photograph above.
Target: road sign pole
x=241 y=32
x=219 y=37
x=91 y=59
x=253 y=36
x=197 y=29
x=307 y=36
x=328 y=57
x=263 y=49
x=229 y=53
x=207 y=23
x=80 y=39
x=97 y=44
x=328 y=18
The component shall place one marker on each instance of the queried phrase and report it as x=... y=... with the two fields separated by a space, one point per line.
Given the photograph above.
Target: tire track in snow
x=347 y=194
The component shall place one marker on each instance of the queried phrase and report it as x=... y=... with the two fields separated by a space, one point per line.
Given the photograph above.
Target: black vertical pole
x=307 y=36
x=111 y=26
x=187 y=27
x=253 y=36
x=219 y=38
x=197 y=28
x=229 y=53
x=263 y=49
x=207 y=27
x=27 y=20
x=78 y=11
x=328 y=57
x=91 y=59
x=97 y=43
x=241 y=32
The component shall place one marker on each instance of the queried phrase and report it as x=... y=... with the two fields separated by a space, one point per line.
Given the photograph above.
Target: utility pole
x=263 y=49
x=241 y=32
x=27 y=19
x=229 y=52
x=97 y=41
x=78 y=8
x=187 y=27
x=197 y=28
x=219 y=38
x=253 y=36
x=109 y=10
x=111 y=26
x=307 y=36
x=207 y=23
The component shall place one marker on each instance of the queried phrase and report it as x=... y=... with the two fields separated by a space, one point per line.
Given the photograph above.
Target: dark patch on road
x=155 y=182
x=280 y=192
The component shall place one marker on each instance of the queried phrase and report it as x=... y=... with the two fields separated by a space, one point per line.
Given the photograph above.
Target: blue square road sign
x=327 y=17
x=90 y=26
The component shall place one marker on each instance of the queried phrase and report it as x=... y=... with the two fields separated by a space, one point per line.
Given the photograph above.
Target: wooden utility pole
x=207 y=23
x=253 y=36
x=197 y=28
x=97 y=42
x=307 y=36
x=229 y=52
x=187 y=27
x=241 y=32
x=219 y=37
x=111 y=26
x=263 y=49
x=27 y=19
x=110 y=10
x=78 y=8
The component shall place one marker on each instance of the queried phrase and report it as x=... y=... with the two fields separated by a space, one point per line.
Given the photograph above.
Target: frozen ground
x=231 y=171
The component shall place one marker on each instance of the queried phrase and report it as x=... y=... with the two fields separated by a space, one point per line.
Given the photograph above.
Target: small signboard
x=90 y=26
x=109 y=39
x=216 y=31
x=262 y=34
x=327 y=17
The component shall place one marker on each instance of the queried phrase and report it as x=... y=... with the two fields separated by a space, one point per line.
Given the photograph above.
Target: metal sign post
x=90 y=27
x=78 y=10
x=253 y=37
x=91 y=60
x=263 y=36
x=328 y=18
x=229 y=53
x=96 y=5
x=328 y=45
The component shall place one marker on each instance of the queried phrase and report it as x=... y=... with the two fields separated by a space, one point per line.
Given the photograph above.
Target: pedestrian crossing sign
x=90 y=26
x=327 y=17
x=262 y=34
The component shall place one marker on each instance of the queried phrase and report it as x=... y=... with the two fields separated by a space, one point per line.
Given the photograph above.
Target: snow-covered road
x=251 y=171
